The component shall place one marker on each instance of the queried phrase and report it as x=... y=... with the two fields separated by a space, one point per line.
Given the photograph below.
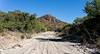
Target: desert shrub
x=39 y=26
x=17 y=21
x=66 y=27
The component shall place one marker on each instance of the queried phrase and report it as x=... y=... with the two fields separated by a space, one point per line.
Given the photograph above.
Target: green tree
x=80 y=20
x=92 y=8
x=98 y=6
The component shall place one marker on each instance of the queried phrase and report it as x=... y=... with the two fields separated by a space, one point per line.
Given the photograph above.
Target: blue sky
x=65 y=10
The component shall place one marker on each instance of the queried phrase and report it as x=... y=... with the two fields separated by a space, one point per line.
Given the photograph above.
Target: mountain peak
x=52 y=22
x=48 y=17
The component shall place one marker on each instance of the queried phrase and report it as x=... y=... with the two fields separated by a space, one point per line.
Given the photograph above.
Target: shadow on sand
x=58 y=40
x=49 y=39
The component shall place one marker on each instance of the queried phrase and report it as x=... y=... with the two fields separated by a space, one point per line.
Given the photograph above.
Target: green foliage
x=92 y=8
x=79 y=20
x=19 y=21
x=40 y=27
x=66 y=27
x=98 y=7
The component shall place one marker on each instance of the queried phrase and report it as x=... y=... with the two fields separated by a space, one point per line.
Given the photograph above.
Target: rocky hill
x=52 y=22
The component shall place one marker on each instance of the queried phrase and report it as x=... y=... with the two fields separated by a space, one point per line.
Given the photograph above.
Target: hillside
x=51 y=22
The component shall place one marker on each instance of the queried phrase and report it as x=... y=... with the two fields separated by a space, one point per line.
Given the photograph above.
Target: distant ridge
x=52 y=22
